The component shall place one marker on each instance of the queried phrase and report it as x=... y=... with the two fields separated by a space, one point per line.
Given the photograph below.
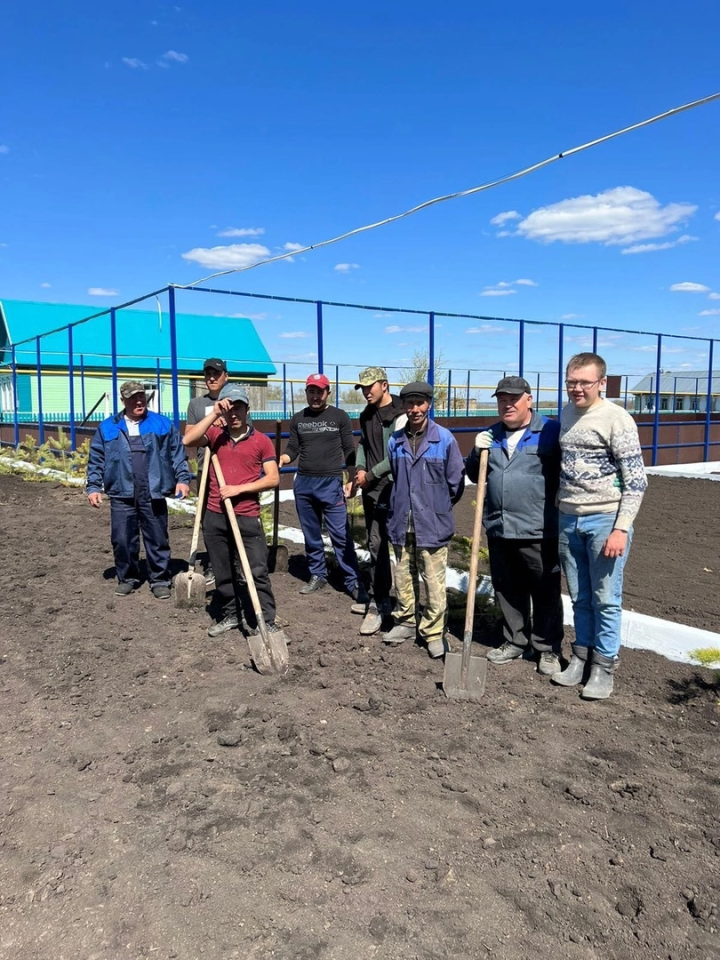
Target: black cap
x=215 y=364
x=516 y=385
x=419 y=388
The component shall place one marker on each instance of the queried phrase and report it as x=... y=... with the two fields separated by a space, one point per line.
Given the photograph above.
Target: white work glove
x=484 y=440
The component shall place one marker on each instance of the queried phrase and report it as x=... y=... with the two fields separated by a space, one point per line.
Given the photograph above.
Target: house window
x=664 y=403
x=680 y=403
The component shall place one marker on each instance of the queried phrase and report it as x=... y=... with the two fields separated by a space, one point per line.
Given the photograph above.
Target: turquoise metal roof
x=143 y=338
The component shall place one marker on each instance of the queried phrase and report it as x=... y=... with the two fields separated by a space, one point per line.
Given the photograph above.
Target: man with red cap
x=321 y=436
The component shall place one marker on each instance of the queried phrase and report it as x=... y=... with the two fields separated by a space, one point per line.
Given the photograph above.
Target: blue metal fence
x=450 y=406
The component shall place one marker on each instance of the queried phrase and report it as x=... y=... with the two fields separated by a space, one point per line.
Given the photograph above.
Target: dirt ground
x=360 y=813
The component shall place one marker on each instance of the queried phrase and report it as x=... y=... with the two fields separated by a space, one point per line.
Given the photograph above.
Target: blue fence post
x=627 y=378
x=674 y=394
x=71 y=383
x=82 y=384
x=697 y=394
x=174 y=357
x=521 y=349
x=158 y=384
x=449 y=403
x=431 y=356
x=337 y=385
x=41 y=421
x=113 y=359
x=16 y=419
x=708 y=405
x=561 y=372
x=320 y=344
x=656 y=421
x=594 y=349
x=537 y=394
x=284 y=391
x=467 y=397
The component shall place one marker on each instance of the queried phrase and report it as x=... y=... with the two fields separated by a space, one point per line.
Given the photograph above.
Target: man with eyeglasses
x=216 y=376
x=602 y=483
x=521 y=525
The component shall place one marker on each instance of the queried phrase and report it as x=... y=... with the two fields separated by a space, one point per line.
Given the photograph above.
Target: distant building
x=143 y=353
x=684 y=392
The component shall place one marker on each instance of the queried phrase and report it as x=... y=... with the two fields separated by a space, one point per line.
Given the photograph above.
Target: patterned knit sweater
x=602 y=467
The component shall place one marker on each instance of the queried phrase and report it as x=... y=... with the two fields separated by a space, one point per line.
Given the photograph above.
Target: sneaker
x=313 y=584
x=209 y=578
x=504 y=654
x=161 y=591
x=399 y=633
x=436 y=648
x=549 y=664
x=230 y=622
x=372 y=622
x=124 y=588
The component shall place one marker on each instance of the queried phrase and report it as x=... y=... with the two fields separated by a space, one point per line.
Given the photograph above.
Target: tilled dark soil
x=360 y=813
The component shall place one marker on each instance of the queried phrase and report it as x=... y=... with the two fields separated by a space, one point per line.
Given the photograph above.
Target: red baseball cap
x=318 y=380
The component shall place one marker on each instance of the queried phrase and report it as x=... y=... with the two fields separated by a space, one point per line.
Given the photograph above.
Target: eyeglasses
x=582 y=384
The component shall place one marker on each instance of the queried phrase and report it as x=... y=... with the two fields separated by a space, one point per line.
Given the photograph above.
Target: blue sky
x=144 y=143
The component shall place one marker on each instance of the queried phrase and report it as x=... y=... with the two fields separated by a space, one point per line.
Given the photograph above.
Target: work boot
x=573 y=673
x=124 y=588
x=549 y=664
x=600 y=684
x=400 y=633
x=372 y=622
x=161 y=591
x=436 y=648
x=313 y=584
x=230 y=622
x=504 y=654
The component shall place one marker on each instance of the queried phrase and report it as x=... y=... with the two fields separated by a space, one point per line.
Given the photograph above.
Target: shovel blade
x=190 y=589
x=278 y=558
x=269 y=652
x=453 y=685
x=260 y=654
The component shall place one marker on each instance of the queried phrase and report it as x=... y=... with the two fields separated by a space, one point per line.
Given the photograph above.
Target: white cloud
x=102 y=292
x=45 y=286
x=714 y=296
x=571 y=316
x=504 y=287
x=717 y=215
x=486 y=328
x=175 y=56
x=688 y=287
x=293 y=247
x=668 y=245
x=524 y=283
x=242 y=232
x=393 y=328
x=134 y=63
x=4 y=148
x=227 y=258
x=620 y=216
x=346 y=267
x=709 y=313
x=495 y=292
x=502 y=218
x=294 y=335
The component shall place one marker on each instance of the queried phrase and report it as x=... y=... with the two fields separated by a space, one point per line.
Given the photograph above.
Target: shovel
x=464 y=677
x=268 y=650
x=190 y=587
x=278 y=553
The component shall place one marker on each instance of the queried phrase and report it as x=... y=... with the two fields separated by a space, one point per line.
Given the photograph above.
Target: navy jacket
x=521 y=492
x=429 y=482
x=110 y=460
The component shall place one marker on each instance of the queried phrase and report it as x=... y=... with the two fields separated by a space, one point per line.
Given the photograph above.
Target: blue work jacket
x=522 y=490
x=110 y=460
x=429 y=482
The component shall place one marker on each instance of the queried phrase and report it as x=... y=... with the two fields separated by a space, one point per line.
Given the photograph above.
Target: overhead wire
x=461 y=193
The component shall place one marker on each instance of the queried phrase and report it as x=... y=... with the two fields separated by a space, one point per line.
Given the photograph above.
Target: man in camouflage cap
x=383 y=414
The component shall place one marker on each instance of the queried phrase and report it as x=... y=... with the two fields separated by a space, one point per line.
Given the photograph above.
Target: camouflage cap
x=370 y=375
x=131 y=387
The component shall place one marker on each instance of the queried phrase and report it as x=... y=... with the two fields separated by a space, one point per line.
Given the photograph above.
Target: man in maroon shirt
x=249 y=466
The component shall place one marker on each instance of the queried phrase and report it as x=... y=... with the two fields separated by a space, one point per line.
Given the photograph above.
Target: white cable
x=461 y=193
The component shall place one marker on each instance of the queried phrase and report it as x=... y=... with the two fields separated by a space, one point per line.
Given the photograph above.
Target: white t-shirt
x=133 y=427
x=513 y=439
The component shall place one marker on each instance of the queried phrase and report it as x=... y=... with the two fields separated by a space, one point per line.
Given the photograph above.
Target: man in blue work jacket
x=137 y=457
x=521 y=523
x=428 y=478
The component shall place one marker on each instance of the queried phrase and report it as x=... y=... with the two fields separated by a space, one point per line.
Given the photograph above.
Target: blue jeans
x=594 y=580
x=318 y=499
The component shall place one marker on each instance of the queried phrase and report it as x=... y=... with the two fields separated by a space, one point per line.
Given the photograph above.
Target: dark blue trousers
x=318 y=499
x=127 y=518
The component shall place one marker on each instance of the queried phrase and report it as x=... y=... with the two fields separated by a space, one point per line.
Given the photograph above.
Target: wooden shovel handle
x=200 y=507
x=477 y=527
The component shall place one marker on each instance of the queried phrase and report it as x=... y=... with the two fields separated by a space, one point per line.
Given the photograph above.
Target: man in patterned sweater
x=602 y=482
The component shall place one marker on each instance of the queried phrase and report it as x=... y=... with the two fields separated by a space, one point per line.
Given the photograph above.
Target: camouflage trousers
x=415 y=564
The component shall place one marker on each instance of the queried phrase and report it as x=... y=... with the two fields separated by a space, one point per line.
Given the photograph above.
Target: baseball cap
x=130 y=387
x=370 y=375
x=216 y=364
x=516 y=385
x=418 y=388
x=318 y=380
x=234 y=392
